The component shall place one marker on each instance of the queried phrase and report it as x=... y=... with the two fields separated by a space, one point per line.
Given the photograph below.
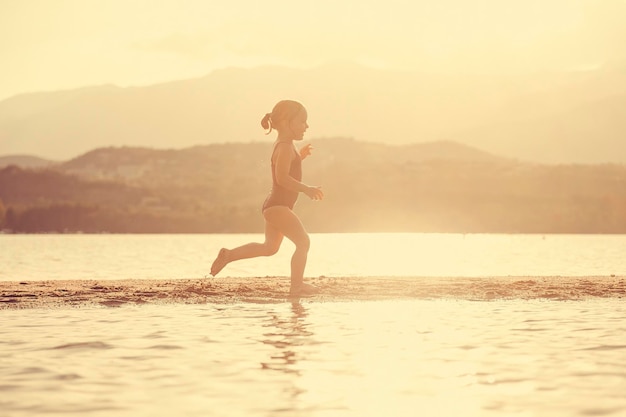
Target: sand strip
x=86 y=293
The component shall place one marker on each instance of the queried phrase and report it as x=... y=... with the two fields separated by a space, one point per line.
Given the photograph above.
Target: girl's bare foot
x=220 y=262
x=303 y=290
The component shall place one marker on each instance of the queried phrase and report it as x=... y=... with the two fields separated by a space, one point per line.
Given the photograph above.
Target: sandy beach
x=113 y=293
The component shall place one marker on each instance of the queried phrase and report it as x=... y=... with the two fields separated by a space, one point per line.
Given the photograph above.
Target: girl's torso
x=279 y=195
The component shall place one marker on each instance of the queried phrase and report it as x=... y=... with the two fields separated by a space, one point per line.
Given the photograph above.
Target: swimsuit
x=279 y=195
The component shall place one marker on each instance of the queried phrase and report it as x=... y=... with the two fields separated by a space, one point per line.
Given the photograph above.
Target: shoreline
x=230 y=290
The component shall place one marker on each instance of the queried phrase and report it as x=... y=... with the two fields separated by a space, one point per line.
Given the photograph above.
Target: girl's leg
x=286 y=221
x=273 y=239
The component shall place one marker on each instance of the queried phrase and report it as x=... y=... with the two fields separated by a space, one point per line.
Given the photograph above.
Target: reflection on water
x=286 y=334
x=392 y=358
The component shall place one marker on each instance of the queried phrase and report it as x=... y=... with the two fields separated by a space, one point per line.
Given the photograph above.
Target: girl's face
x=298 y=125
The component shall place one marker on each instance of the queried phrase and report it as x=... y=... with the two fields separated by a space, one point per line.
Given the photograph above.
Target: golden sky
x=59 y=44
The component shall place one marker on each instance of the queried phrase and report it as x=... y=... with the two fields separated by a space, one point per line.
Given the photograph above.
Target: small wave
x=606 y=347
x=140 y=358
x=600 y=411
x=67 y=377
x=538 y=329
x=85 y=345
x=156 y=335
x=31 y=370
x=166 y=347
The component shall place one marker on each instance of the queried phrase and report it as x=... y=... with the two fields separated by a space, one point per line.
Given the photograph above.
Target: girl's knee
x=304 y=243
x=271 y=249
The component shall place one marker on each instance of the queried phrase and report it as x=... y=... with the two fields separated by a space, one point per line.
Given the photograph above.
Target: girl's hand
x=306 y=151
x=314 y=192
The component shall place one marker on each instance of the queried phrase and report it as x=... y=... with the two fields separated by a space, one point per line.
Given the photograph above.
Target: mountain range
x=368 y=186
x=556 y=118
x=25 y=161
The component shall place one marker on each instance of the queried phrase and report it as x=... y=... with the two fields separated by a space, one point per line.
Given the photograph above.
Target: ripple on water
x=156 y=335
x=84 y=345
x=67 y=377
x=358 y=359
x=606 y=347
x=166 y=347
x=31 y=370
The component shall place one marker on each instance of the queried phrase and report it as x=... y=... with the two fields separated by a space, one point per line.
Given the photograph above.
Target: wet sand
x=114 y=293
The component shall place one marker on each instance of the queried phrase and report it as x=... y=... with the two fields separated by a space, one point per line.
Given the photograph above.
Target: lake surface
x=384 y=358
x=316 y=359
x=52 y=257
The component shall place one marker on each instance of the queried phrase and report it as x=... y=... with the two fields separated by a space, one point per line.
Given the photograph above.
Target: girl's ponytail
x=266 y=123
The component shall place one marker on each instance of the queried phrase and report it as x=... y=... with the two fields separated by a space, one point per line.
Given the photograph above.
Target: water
x=391 y=358
x=101 y=257
x=311 y=358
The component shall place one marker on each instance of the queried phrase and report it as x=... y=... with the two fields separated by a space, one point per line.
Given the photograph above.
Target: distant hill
x=368 y=187
x=545 y=117
x=244 y=168
x=25 y=161
x=148 y=166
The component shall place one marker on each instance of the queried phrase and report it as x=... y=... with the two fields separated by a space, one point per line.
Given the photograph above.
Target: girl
x=289 y=119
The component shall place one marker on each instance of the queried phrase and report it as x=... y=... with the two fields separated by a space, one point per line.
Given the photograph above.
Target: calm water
x=375 y=358
x=403 y=358
x=44 y=257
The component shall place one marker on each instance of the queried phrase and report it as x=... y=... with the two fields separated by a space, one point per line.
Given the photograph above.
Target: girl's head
x=288 y=117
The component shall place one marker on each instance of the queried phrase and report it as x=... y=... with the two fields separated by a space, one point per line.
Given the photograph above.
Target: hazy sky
x=58 y=44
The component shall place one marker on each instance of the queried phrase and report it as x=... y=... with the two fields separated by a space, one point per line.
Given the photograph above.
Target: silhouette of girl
x=289 y=119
